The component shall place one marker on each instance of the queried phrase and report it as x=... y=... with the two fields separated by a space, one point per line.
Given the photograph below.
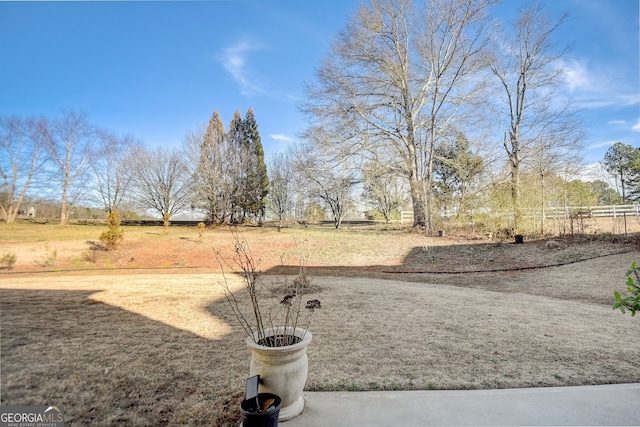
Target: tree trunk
x=417 y=198
x=63 y=204
x=428 y=203
x=515 y=197
x=416 y=185
x=427 y=188
x=514 y=161
x=543 y=210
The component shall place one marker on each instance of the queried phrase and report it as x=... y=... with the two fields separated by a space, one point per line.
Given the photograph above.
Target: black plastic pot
x=519 y=238
x=252 y=418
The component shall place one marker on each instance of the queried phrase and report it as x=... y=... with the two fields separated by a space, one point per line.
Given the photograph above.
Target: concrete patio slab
x=603 y=405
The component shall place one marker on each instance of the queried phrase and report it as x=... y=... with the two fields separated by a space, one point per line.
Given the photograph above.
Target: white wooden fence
x=612 y=211
x=406 y=217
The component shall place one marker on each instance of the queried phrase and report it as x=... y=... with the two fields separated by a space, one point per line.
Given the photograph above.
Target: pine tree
x=258 y=181
x=239 y=167
x=456 y=167
x=231 y=180
x=623 y=162
x=236 y=130
x=115 y=234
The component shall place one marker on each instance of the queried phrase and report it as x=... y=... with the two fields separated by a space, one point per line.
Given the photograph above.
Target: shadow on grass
x=473 y=258
x=109 y=366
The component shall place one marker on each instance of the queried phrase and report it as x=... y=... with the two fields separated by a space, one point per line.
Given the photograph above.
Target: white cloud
x=600 y=145
x=234 y=59
x=598 y=86
x=280 y=137
x=577 y=76
x=636 y=127
x=596 y=100
x=617 y=122
x=596 y=172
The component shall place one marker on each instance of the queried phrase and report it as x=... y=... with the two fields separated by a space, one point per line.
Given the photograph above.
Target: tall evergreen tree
x=231 y=178
x=237 y=163
x=237 y=133
x=623 y=162
x=456 y=167
x=257 y=179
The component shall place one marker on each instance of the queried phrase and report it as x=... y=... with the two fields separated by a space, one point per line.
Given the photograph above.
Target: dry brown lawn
x=143 y=335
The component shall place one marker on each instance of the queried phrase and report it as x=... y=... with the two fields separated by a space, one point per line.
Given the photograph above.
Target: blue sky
x=159 y=69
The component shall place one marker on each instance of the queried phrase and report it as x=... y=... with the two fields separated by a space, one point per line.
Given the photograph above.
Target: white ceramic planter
x=282 y=370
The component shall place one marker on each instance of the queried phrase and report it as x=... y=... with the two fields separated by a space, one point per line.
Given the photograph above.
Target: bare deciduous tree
x=113 y=168
x=324 y=178
x=280 y=199
x=70 y=140
x=383 y=190
x=217 y=178
x=548 y=158
x=22 y=156
x=532 y=109
x=161 y=181
x=206 y=150
x=400 y=76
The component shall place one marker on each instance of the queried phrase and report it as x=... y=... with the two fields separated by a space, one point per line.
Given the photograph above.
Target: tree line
x=230 y=181
x=222 y=175
x=433 y=106
x=407 y=84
